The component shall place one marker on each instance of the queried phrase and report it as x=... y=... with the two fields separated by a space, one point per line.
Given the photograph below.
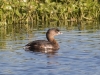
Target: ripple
x=79 y=53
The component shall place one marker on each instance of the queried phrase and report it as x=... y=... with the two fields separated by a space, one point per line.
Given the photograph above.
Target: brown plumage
x=43 y=45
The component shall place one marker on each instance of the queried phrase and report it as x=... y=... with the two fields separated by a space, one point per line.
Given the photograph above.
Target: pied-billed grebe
x=43 y=45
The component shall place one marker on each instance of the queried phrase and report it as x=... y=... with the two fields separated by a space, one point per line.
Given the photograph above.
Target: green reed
x=32 y=11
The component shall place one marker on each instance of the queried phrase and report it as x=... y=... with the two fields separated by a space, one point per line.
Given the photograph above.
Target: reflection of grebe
x=43 y=45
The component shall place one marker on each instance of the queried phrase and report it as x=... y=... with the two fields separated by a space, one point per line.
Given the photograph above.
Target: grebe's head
x=53 y=32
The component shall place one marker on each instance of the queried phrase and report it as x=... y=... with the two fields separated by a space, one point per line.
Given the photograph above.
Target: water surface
x=79 y=52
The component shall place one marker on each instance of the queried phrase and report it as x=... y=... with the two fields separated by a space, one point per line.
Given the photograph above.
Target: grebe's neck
x=51 y=39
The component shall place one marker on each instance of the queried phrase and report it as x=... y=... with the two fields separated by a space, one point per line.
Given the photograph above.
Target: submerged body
x=43 y=45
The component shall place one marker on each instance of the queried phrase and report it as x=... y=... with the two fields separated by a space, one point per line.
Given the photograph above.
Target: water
x=79 y=53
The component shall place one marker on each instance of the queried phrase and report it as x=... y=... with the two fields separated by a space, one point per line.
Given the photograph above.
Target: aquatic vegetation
x=26 y=11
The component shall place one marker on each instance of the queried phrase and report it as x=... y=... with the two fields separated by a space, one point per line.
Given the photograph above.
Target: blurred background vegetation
x=21 y=18
x=33 y=11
